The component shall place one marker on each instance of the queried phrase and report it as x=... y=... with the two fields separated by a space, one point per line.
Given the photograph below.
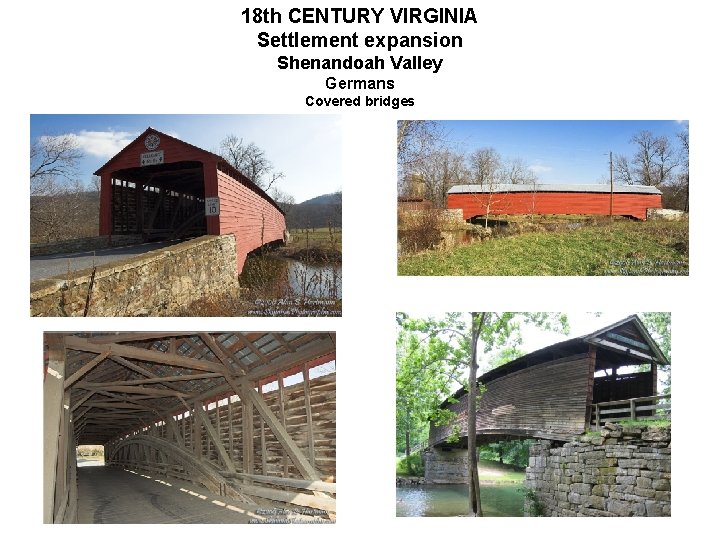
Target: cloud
x=104 y=144
x=538 y=169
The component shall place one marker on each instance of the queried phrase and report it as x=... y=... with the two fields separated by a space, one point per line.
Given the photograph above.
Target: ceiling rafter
x=125 y=381
x=147 y=355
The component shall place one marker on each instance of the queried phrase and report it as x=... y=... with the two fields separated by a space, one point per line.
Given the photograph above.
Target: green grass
x=494 y=471
x=634 y=423
x=320 y=237
x=619 y=248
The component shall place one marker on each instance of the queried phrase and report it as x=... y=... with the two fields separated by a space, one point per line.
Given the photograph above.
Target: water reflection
x=281 y=277
x=433 y=500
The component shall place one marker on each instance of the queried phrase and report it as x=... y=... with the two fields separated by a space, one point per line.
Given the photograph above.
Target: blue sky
x=558 y=151
x=307 y=148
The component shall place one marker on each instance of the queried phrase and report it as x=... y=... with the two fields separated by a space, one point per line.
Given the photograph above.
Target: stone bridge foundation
x=621 y=471
x=446 y=466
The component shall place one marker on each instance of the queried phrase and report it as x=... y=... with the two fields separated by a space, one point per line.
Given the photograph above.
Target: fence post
x=597 y=417
x=632 y=409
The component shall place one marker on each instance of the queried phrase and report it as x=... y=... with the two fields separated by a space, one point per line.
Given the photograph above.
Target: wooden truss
x=148 y=396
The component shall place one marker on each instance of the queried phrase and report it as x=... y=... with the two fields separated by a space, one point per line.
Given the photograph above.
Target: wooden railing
x=644 y=408
x=419 y=446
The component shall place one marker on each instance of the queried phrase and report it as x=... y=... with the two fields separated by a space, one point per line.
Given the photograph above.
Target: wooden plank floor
x=111 y=495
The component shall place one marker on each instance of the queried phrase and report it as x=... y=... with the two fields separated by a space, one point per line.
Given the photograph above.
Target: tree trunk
x=475 y=506
x=407 y=440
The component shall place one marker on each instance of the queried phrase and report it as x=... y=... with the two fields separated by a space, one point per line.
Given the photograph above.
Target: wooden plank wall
x=271 y=459
x=252 y=219
x=176 y=208
x=549 y=398
x=624 y=204
x=626 y=386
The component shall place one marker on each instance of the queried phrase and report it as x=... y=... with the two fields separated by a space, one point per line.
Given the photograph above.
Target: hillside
x=321 y=211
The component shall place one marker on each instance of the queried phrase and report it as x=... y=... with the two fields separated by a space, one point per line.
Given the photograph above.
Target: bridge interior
x=243 y=420
x=163 y=202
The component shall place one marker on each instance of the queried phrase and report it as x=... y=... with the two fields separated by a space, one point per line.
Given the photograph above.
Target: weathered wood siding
x=624 y=204
x=550 y=398
x=273 y=460
x=251 y=218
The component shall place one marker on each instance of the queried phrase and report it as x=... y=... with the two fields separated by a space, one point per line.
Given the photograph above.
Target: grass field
x=622 y=247
x=321 y=237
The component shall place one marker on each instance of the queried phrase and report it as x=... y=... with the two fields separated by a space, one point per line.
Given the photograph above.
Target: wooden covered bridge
x=160 y=187
x=556 y=393
x=527 y=199
x=241 y=421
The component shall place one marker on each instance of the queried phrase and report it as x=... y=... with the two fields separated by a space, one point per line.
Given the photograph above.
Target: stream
x=443 y=500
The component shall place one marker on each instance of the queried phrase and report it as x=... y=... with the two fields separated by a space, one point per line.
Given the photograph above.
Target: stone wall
x=666 y=214
x=90 y=243
x=444 y=219
x=158 y=283
x=623 y=471
x=445 y=466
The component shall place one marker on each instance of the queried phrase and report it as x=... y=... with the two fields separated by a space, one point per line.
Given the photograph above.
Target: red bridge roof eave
x=232 y=171
x=107 y=164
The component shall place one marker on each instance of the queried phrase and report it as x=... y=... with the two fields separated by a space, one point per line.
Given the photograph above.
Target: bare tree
x=416 y=141
x=59 y=206
x=652 y=164
x=516 y=171
x=250 y=159
x=438 y=171
x=53 y=160
x=485 y=170
x=282 y=198
x=683 y=178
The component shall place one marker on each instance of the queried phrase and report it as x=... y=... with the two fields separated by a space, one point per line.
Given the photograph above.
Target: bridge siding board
x=550 y=398
x=252 y=219
x=624 y=204
x=322 y=395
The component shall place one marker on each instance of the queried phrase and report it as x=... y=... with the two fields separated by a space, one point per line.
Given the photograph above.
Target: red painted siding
x=624 y=204
x=252 y=219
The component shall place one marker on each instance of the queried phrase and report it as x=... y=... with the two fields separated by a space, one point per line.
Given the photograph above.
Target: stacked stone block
x=445 y=466
x=622 y=471
x=159 y=283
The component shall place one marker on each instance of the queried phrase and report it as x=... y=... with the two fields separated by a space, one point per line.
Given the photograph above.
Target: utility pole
x=611 y=187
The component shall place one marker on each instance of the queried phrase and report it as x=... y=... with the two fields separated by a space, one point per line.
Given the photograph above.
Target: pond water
x=443 y=500
x=282 y=277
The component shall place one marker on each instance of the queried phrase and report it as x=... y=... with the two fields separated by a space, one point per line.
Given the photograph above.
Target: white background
x=523 y=60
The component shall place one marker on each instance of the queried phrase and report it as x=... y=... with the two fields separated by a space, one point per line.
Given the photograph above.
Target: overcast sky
x=304 y=147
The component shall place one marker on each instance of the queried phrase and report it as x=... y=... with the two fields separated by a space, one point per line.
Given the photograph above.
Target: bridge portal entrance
x=159 y=202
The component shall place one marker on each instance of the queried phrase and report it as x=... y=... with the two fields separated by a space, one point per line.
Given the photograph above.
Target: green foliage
x=534 y=505
x=410 y=467
x=656 y=423
x=618 y=248
x=513 y=452
x=658 y=324
x=433 y=354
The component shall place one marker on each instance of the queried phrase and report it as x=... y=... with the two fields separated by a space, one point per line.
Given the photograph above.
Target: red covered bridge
x=590 y=199
x=163 y=188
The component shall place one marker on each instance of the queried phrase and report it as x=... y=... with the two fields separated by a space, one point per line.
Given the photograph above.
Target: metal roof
x=554 y=188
